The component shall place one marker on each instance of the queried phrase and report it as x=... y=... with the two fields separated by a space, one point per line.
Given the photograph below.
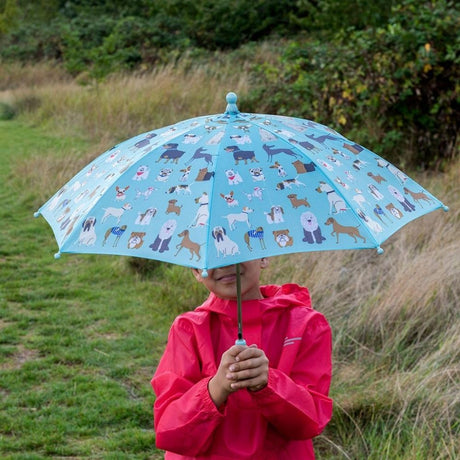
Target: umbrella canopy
x=222 y=189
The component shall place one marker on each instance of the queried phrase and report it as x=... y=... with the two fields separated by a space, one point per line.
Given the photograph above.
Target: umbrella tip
x=445 y=208
x=379 y=250
x=204 y=273
x=36 y=214
x=231 y=109
x=57 y=255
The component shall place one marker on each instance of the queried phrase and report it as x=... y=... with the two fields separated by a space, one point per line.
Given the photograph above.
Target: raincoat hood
x=275 y=297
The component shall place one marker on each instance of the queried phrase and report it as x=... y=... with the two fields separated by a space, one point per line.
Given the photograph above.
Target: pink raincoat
x=276 y=422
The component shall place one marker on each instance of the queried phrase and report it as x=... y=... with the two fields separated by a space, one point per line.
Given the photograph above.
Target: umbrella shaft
x=238 y=298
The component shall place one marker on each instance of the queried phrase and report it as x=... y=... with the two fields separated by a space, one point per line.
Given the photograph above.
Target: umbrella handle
x=239 y=340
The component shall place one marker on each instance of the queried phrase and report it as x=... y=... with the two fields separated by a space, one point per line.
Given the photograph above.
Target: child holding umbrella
x=216 y=400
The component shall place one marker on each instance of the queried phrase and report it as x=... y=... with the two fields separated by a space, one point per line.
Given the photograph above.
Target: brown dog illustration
x=338 y=229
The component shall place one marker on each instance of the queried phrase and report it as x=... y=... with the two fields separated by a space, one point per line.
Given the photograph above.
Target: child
x=217 y=400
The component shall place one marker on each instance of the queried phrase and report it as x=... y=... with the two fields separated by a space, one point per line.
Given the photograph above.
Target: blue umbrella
x=222 y=189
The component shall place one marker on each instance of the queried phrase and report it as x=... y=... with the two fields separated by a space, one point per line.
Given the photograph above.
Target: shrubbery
x=392 y=88
x=386 y=77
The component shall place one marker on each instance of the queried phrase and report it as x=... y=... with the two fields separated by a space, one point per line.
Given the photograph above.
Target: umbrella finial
x=231 y=109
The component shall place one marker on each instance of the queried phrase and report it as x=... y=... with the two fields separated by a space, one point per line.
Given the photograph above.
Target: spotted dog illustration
x=338 y=229
x=136 y=240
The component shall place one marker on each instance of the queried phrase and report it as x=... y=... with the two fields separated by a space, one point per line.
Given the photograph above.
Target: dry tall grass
x=395 y=317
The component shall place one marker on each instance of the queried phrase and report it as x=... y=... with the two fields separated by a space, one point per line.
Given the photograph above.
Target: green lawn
x=79 y=337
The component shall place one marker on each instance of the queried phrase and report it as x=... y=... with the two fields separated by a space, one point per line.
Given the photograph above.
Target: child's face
x=222 y=281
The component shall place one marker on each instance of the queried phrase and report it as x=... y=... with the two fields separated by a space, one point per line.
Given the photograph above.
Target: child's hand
x=250 y=370
x=240 y=367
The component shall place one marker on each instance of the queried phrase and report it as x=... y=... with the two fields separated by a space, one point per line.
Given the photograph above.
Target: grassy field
x=80 y=337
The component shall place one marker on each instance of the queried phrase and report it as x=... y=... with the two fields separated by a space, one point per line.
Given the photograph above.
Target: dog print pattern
x=221 y=189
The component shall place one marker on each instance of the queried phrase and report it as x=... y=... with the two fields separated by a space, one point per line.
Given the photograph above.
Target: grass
x=80 y=337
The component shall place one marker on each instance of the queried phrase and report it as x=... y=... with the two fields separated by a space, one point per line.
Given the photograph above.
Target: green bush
x=393 y=89
x=6 y=111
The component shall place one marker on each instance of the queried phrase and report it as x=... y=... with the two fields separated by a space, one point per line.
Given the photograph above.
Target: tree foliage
x=387 y=76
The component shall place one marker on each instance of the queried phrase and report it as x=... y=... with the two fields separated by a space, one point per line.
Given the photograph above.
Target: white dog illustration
x=142 y=173
x=233 y=177
x=202 y=215
x=144 y=218
x=116 y=212
x=167 y=230
x=243 y=216
x=88 y=234
x=275 y=216
x=336 y=204
x=223 y=243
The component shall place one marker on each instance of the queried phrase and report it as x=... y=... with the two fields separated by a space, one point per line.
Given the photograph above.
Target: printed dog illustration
x=233 y=177
x=88 y=234
x=121 y=193
x=394 y=211
x=187 y=243
x=200 y=153
x=164 y=174
x=204 y=174
x=258 y=234
x=136 y=240
x=296 y=202
x=173 y=208
x=282 y=238
x=144 y=218
x=279 y=168
x=405 y=203
x=257 y=174
x=311 y=229
x=117 y=231
x=371 y=223
x=202 y=215
x=275 y=216
x=288 y=183
x=271 y=151
x=418 y=197
x=116 y=212
x=336 y=204
x=142 y=173
x=243 y=216
x=347 y=230
x=177 y=189
x=163 y=238
x=231 y=202
x=377 y=177
x=171 y=154
x=241 y=155
x=223 y=243
x=395 y=171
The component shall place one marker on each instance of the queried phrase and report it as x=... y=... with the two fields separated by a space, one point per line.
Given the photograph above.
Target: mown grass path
x=77 y=338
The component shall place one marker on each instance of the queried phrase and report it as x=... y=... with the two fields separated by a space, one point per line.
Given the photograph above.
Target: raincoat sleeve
x=184 y=414
x=295 y=401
